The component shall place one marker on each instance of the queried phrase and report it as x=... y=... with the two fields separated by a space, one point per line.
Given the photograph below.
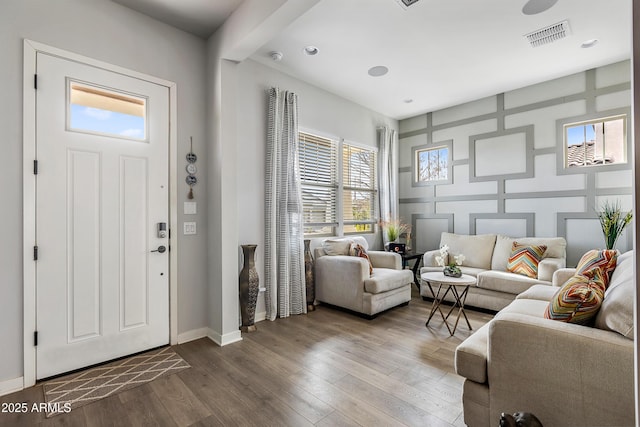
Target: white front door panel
x=101 y=292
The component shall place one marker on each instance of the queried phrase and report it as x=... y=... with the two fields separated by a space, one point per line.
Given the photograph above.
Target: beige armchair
x=344 y=281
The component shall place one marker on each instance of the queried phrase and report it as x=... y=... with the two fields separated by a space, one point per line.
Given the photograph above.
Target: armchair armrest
x=340 y=280
x=572 y=375
x=562 y=275
x=381 y=259
x=429 y=258
x=548 y=266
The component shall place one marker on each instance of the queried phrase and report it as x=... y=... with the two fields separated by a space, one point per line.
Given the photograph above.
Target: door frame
x=31 y=49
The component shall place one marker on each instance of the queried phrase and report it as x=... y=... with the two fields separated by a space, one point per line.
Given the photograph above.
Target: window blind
x=318 y=171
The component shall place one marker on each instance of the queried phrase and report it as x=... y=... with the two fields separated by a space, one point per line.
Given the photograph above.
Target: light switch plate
x=189 y=228
x=190 y=208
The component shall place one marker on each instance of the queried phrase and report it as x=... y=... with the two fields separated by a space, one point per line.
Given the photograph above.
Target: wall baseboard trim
x=193 y=335
x=225 y=339
x=10 y=386
x=260 y=316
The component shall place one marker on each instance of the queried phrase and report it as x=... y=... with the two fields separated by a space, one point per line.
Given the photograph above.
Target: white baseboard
x=10 y=386
x=261 y=316
x=225 y=339
x=192 y=335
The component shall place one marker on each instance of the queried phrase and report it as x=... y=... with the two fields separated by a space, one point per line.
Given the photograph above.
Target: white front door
x=102 y=189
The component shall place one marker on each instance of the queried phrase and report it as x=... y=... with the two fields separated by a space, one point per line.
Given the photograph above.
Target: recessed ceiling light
x=408 y=101
x=276 y=56
x=533 y=7
x=311 y=50
x=378 y=70
x=589 y=43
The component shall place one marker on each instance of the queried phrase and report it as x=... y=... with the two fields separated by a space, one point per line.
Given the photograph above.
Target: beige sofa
x=565 y=374
x=486 y=257
x=345 y=281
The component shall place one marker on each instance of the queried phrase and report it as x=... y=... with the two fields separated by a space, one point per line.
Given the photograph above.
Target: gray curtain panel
x=387 y=167
x=284 y=231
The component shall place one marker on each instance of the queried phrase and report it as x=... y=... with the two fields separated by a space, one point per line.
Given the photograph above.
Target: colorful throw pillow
x=579 y=299
x=524 y=259
x=604 y=260
x=359 y=251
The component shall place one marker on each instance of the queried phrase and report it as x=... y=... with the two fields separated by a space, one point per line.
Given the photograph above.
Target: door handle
x=161 y=249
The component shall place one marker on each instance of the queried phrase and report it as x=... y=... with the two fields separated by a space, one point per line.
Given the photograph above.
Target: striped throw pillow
x=525 y=259
x=579 y=299
x=605 y=260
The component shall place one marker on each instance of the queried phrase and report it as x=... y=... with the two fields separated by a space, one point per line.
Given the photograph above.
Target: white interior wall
x=318 y=110
x=112 y=33
x=515 y=183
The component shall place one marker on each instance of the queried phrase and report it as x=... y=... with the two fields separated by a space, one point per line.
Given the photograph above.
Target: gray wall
x=512 y=180
x=319 y=111
x=109 y=32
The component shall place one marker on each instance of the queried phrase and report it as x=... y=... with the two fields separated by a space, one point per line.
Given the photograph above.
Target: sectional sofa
x=566 y=374
x=486 y=258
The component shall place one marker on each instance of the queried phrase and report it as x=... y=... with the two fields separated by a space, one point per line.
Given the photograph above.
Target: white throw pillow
x=616 y=312
x=337 y=246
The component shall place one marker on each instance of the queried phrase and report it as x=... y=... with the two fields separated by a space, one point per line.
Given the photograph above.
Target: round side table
x=448 y=284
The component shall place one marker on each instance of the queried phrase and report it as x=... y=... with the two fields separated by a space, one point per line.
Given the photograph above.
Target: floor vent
x=548 y=34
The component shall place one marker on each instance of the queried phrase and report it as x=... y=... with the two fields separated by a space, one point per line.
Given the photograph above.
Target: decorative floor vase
x=308 y=276
x=249 y=288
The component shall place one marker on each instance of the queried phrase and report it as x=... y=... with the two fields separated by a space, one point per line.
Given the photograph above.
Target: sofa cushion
x=471 y=356
x=386 y=279
x=579 y=299
x=356 y=249
x=529 y=307
x=616 y=313
x=342 y=245
x=539 y=292
x=524 y=259
x=503 y=281
x=556 y=248
x=477 y=249
x=605 y=260
x=337 y=246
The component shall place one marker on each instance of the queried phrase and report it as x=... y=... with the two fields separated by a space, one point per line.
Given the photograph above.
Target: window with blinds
x=359 y=189
x=318 y=158
x=337 y=203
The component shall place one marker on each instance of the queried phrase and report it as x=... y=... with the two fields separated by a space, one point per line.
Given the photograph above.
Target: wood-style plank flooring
x=326 y=368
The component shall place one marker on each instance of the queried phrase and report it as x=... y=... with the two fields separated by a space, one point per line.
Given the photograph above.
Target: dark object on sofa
x=519 y=419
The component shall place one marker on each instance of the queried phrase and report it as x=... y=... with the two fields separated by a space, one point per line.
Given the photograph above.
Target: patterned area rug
x=84 y=387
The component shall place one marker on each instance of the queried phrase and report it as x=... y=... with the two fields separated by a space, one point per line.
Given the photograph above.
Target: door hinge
x=35 y=338
x=35 y=253
x=35 y=167
x=35 y=81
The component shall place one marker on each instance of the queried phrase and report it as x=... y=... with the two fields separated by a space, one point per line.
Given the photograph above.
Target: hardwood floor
x=326 y=368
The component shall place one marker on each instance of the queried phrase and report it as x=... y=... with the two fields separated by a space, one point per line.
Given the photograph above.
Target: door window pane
x=96 y=110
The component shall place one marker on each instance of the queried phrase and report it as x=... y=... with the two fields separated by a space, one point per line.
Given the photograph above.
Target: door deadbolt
x=162 y=230
x=161 y=249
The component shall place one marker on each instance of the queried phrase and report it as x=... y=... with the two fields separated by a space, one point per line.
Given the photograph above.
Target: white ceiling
x=439 y=52
x=199 y=17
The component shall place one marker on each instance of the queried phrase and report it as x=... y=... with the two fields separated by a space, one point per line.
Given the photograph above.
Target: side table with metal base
x=417 y=259
x=448 y=284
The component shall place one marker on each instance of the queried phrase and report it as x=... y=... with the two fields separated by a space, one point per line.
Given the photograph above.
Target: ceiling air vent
x=406 y=3
x=548 y=34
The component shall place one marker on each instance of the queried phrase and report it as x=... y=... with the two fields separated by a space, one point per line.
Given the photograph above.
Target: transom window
x=337 y=203
x=596 y=142
x=95 y=110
